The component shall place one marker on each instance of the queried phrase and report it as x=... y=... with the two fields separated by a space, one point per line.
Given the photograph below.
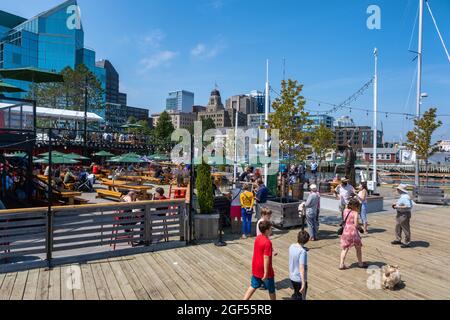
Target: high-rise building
x=260 y=100
x=112 y=81
x=256 y=120
x=140 y=114
x=242 y=103
x=223 y=118
x=52 y=41
x=180 y=101
x=122 y=99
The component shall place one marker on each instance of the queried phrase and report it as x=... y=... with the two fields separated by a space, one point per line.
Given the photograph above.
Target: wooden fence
x=68 y=232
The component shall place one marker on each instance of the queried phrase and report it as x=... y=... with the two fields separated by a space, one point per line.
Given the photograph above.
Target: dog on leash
x=391 y=277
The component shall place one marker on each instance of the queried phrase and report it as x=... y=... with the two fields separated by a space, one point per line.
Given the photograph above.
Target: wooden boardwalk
x=207 y=272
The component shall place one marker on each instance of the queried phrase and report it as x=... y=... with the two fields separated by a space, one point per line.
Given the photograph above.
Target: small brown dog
x=391 y=277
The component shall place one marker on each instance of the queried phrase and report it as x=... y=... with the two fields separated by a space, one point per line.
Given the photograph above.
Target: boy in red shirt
x=262 y=270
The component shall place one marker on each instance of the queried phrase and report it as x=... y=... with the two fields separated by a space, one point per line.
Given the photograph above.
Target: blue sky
x=160 y=45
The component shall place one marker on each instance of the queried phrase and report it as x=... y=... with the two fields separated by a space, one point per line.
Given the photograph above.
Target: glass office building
x=52 y=41
x=180 y=101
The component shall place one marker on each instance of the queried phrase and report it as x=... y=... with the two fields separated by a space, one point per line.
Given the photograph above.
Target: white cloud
x=204 y=51
x=154 y=38
x=158 y=59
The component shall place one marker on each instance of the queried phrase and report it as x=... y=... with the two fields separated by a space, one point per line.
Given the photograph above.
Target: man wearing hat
x=344 y=192
x=403 y=206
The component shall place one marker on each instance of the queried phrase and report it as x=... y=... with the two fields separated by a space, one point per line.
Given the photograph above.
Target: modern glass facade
x=319 y=119
x=180 y=101
x=52 y=41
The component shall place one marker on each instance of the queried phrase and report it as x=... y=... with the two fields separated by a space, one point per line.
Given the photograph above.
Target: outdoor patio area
x=207 y=272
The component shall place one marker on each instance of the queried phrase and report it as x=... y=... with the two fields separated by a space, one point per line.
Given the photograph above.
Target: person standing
x=262 y=269
x=344 y=192
x=314 y=167
x=247 y=202
x=261 y=197
x=298 y=266
x=404 y=207
x=363 y=196
x=266 y=215
x=351 y=237
x=312 y=208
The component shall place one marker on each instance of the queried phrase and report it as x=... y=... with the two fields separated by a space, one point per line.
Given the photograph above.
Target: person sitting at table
x=69 y=177
x=95 y=168
x=159 y=196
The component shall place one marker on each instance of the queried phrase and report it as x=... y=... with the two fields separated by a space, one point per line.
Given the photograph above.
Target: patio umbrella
x=131 y=154
x=58 y=159
x=131 y=126
x=5 y=87
x=103 y=154
x=76 y=156
x=32 y=75
x=126 y=160
x=16 y=155
x=159 y=157
x=54 y=154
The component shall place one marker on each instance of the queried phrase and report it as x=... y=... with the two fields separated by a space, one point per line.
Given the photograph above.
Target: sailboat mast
x=419 y=82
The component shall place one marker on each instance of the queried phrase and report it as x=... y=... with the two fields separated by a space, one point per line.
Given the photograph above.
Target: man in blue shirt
x=261 y=197
x=404 y=207
x=298 y=266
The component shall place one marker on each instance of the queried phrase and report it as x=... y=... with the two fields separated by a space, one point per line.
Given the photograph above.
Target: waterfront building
x=260 y=100
x=180 y=120
x=359 y=136
x=384 y=155
x=319 y=119
x=140 y=114
x=242 y=103
x=256 y=120
x=343 y=122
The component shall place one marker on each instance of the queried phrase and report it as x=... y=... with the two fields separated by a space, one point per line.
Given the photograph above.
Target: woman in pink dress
x=351 y=237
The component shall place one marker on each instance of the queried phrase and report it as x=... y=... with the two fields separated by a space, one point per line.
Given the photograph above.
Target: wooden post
x=148 y=225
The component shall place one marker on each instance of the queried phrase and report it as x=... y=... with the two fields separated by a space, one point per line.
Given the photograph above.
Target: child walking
x=298 y=266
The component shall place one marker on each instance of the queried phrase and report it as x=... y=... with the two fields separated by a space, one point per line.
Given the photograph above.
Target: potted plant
x=206 y=219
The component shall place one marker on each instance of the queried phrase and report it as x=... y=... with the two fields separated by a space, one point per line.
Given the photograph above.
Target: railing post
x=148 y=225
x=49 y=239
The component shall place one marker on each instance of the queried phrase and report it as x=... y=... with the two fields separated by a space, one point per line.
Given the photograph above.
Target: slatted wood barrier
x=78 y=230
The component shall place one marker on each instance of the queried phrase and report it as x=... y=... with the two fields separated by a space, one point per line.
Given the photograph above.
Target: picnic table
x=142 y=190
x=113 y=184
x=69 y=196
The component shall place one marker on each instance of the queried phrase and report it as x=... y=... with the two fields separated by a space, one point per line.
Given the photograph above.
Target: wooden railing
x=33 y=234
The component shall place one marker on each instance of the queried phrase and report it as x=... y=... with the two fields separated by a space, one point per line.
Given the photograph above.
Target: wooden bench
x=108 y=194
x=79 y=201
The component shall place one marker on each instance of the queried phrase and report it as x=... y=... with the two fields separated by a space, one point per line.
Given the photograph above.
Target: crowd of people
x=353 y=207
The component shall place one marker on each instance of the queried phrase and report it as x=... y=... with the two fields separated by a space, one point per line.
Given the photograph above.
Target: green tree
x=204 y=189
x=131 y=120
x=290 y=118
x=420 y=138
x=322 y=140
x=163 y=132
x=70 y=94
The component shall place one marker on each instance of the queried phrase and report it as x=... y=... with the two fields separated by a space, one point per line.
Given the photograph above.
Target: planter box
x=206 y=226
x=429 y=195
x=284 y=215
x=329 y=202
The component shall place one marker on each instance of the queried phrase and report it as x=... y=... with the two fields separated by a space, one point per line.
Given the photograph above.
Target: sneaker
x=396 y=243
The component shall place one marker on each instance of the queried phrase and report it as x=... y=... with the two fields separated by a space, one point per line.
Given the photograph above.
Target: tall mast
x=419 y=82
x=375 y=120
x=267 y=111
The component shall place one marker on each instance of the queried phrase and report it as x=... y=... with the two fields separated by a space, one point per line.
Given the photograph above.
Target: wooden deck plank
x=31 y=286
x=127 y=290
x=145 y=281
x=89 y=282
x=134 y=280
x=67 y=282
x=100 y=282
x=111 y=282
x=19 y=286
x=43 y=285
x=55 y=284
x=7 y=286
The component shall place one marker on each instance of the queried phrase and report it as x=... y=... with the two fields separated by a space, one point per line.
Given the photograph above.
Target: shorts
x=269 y=284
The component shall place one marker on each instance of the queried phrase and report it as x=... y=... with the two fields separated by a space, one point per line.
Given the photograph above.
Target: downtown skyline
x=327 y=47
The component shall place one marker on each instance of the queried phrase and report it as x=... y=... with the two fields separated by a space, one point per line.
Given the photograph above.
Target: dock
x=207 y=272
